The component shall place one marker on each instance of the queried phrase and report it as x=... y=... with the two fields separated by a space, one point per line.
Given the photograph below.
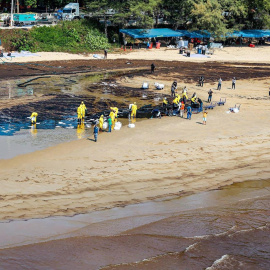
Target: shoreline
x=164 y=208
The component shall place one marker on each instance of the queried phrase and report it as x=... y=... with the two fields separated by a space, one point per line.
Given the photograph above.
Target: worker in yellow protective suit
x=101 y=121
x=176 y=100
x=83 y=109
x=80 y=113
x=80 y=130
x=134 y=110
x=34 y=117
x=164 y=102
x=185 y=97
x=115 y=111
x=193 y=100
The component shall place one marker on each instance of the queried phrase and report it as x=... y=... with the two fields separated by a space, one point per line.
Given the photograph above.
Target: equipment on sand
x=222 y=101
x=211 y=106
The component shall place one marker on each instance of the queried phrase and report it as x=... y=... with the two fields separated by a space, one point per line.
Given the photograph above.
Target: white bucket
x=105 y=125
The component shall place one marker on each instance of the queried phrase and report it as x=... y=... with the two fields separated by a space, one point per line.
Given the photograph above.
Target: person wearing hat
x=134 y=110
x=83 y=109
x=101 y=121
x=164 y=102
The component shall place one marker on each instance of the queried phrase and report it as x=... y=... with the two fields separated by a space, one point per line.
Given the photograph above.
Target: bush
x=67 y=36
x=18 y=40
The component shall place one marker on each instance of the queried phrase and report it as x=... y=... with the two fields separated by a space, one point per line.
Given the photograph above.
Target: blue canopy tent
x=151 y=33
x=188 y=34
x=166 y=32
x=249 y=33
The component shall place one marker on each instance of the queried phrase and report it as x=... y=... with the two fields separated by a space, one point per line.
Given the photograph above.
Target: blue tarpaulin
x=151 y=33
x=249 y=33
x=166 y=32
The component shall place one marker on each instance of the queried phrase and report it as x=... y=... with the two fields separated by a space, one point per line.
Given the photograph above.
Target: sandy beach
x=158 y=159
x=259 y=54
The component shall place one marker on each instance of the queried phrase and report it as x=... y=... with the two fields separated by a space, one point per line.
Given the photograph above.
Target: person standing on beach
x=233 y=83
x=83 y=109
x=105 y=54
x=173 y=88
x=101 y=121
x=204 y=117
x=201 y=81
x=33 y=117
x=219 y=84
x=96 y=132
x=134 y=110
x=210 y=93
x=153 y=68
x=79 y=112
x=182 y=109
x=110 y=124
x=189 y=112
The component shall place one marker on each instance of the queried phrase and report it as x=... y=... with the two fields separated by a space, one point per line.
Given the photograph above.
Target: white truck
x=71 y=12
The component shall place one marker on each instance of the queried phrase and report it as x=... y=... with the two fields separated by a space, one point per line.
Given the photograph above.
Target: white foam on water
x=191 y=247
x=217 y=263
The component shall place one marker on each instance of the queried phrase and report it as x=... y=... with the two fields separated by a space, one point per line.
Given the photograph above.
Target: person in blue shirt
x=95 y=132
x=189 y=112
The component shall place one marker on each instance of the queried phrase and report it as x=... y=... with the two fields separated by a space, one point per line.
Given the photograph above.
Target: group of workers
x=112 y=119
x=180 y=101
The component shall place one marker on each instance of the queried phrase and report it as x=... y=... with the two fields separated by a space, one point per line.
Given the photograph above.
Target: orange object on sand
x=158 y=45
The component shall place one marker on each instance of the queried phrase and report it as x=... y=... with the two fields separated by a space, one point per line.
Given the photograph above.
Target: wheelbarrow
x=211 y=106
x=222 y=101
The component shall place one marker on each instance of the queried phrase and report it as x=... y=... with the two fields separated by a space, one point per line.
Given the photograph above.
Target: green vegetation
x=67 y=36
x=215 y=16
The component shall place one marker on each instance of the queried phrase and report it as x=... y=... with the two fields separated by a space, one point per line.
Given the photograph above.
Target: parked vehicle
x=21 y=19
x=71 y=11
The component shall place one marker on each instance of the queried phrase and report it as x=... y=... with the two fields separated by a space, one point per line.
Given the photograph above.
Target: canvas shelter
x=151 y=33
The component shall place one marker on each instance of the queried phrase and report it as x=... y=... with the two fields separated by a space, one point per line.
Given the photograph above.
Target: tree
x=258 y=14
x=99 y=8
x=207 y=15
x=142 y=12
x=178 y=12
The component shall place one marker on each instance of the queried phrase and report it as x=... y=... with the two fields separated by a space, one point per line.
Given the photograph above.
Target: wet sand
x=198 y=231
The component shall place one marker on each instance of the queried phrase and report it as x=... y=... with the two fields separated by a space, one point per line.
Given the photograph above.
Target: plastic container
x=117 y=125
x=145 y=85
x=105 y=125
